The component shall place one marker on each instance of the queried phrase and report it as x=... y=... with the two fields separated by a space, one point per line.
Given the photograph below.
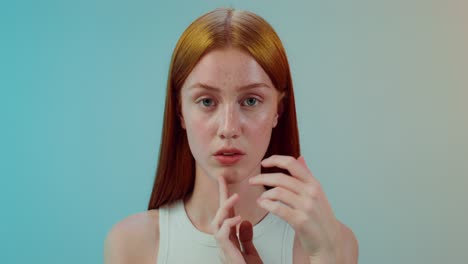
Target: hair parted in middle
x=219 y=29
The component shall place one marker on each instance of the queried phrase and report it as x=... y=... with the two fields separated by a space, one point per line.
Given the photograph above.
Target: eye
x=251 y=101
x=206 y=102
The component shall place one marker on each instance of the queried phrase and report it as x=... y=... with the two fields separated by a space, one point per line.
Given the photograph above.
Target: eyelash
x=257 y=101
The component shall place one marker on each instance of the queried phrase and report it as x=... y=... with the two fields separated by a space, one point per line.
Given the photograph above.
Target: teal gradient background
x=381 y=88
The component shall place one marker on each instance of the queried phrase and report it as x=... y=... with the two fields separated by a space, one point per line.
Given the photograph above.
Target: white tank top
x=180 y=242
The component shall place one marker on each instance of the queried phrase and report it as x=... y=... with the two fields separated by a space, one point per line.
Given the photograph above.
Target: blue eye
x=207 y=102
x=251 y=101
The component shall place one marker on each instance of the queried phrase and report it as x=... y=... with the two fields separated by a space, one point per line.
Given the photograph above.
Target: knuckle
x=289 y=183
x=275 y=207
x=312 y=191
x=275 y=156
x=290 y=161
x=228 y=222
x=309 y=206
x=219 y=236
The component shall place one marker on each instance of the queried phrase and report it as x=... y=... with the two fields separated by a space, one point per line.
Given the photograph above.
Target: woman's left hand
x=303 y=205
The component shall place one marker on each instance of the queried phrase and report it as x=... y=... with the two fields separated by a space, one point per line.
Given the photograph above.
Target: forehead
x=227 y=68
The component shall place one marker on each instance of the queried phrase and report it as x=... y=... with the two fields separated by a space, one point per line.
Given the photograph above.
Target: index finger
x=223 y=193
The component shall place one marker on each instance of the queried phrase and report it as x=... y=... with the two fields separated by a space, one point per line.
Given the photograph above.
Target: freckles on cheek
x=261 y=126
x=198 y=130
x=197 y=127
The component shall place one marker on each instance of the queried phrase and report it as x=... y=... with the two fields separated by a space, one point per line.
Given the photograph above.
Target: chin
x=232 y=175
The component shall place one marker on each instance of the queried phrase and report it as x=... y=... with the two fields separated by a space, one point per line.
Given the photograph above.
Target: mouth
x=229 y=156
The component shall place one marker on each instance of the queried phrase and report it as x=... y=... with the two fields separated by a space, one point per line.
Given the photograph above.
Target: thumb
x=245 y=237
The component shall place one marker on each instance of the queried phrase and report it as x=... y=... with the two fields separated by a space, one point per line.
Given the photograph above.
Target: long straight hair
x=220 y=28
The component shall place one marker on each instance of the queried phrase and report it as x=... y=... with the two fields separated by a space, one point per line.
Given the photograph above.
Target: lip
x=229 y=150
x=228 y=160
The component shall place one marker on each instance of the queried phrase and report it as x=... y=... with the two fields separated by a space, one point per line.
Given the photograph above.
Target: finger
x=231 y=211
x=223 y=234
x=223 y=192
x=291 y=164
x=223 y=211
x=278 y=180
x=245 y=237
x=233 y=235
x=283 y=195
x=284 y=212
x=302 y=161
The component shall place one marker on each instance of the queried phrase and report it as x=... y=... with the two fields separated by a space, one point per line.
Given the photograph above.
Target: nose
x=229 y=122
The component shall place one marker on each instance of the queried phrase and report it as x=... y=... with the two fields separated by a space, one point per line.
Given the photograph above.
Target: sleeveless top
x=181 y=242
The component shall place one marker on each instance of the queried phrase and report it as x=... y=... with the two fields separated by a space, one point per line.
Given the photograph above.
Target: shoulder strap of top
x=288 y=244
x=163 y=235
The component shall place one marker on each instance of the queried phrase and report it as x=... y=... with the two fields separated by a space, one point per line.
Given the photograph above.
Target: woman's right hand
x=224 y=230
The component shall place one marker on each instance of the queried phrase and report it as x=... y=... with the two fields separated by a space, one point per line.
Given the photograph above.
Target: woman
x=228 y=187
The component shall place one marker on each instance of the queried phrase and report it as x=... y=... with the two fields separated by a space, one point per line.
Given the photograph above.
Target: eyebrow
x=245 y=87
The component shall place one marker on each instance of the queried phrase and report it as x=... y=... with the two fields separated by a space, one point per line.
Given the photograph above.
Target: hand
x=224 y=230
x=303 y=205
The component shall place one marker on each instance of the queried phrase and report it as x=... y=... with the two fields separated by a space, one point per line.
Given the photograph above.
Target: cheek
x=199 y=134
x=197 y=131
x=260 y=128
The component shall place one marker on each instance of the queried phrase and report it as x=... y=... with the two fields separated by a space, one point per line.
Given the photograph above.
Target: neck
x=201 y=206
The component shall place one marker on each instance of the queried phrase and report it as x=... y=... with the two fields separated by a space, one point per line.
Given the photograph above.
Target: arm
x=114 y=248
x=347 y=253
x=135 y=239
x=350 y=246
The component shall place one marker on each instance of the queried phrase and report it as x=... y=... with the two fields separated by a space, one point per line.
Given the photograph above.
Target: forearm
x=349 y=247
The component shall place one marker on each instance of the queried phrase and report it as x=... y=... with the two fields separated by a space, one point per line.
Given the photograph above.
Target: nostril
x=229 y=134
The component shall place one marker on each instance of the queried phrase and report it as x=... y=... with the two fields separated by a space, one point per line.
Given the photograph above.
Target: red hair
x=220 y=28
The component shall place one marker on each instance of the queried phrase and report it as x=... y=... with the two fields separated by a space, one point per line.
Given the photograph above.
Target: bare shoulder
x=135 y=239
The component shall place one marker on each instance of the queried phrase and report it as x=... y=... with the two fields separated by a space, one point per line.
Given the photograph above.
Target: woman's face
x=228 y=102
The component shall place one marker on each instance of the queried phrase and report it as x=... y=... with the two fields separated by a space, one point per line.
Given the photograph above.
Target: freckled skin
x=228 y=121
